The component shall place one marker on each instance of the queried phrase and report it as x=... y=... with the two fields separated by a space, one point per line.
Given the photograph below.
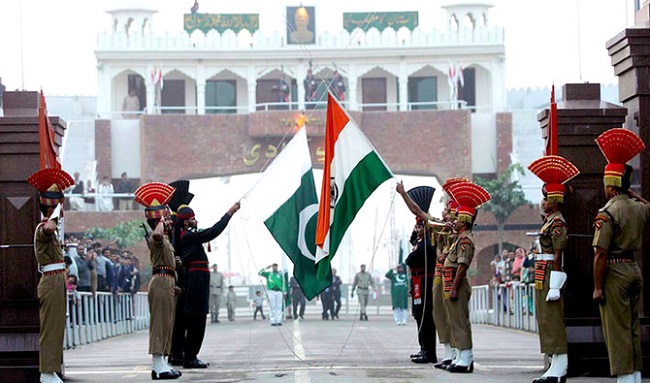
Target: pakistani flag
x=285 y=198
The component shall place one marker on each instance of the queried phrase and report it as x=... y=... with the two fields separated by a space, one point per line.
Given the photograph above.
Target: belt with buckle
x=53 y=268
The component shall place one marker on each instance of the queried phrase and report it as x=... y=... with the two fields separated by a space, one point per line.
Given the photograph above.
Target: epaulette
x=558 y=222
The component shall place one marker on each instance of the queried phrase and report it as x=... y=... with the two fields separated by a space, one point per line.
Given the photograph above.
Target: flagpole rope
x=280 y=330
x=372 y=260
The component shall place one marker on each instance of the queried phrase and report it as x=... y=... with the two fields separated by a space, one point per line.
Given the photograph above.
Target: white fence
x=509 y=305
x=93 y=318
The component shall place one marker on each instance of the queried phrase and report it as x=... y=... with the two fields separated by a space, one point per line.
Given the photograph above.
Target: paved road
x=314 y=351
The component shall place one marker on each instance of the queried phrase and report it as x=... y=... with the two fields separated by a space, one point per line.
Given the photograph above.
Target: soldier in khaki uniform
x=457 y=289
x=554 y=171
x=154 y=196
x=51 y=287
x=216 y=286
x=617 y=278
x=446 y=238
x=362 y=282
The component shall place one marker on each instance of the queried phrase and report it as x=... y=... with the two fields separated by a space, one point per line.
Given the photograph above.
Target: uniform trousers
x=423 y=314
x=195 y=323
x=215 y=303
x=458 y=317
x=620 y=317
x=439 y=313
x=363 y=300
x=550 y=320
x=180 y=327
x=275 y=306
x=162 y=304
x=51 y=311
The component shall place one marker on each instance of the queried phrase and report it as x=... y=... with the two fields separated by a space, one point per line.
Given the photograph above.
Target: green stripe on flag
x=364 y=179
x=293 y=225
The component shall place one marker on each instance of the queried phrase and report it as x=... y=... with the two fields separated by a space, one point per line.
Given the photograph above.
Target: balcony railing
x=318 y=105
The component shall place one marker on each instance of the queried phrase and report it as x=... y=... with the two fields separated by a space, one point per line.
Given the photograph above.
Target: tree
x=124 y=234
x=507 y=196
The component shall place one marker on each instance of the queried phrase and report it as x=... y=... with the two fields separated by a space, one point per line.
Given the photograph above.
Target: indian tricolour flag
x=286 y=201
x=352 y=170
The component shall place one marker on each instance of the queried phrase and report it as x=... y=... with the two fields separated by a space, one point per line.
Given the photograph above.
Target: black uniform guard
x=197 y=279
x=422 y=263
x=181 y=197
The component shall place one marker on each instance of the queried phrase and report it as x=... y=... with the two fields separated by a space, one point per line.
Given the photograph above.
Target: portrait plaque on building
x=301 y=25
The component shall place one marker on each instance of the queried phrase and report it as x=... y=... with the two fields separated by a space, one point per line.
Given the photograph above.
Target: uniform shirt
x=461 y=251
x=48 y=248
x=619 y=225
x=363 y=280
x=161 y=253
x=553 y=234
x=216 y=282
x=192 y=240
x=274 y=280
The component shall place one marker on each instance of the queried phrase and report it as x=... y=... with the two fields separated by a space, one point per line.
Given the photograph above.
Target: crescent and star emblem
x=305 y=217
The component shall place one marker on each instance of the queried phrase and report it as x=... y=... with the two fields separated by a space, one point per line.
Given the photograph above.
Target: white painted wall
x=484 y=143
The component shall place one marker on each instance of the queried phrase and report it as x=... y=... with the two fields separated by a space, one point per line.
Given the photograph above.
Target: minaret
x=132 y=17
x=467 y=14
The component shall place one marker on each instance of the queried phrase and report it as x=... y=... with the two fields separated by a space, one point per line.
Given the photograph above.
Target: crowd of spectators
x=84 y=197
x=93 y=267
x=513 y=266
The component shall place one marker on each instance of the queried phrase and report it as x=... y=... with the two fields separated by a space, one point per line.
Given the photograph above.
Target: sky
x=546 y=41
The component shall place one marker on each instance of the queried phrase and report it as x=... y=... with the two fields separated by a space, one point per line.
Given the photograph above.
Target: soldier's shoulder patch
x=557 y=222
x=557 y=231
x=599 y=220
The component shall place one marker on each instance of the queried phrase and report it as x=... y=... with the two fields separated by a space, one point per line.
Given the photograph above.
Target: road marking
x=301 y=376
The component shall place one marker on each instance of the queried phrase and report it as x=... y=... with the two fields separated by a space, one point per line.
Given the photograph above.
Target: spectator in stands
x=90 y=201
x=520 y=256
x=85 y=264
x=131 y=105
x=105 y=203
x=76 y=202
x=102 y=264
x=125 y=186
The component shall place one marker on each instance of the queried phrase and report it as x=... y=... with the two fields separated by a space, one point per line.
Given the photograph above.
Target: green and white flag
x=285 y=199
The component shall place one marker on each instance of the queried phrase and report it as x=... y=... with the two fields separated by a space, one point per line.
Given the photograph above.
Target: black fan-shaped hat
x=182 y=195
x=422 y=196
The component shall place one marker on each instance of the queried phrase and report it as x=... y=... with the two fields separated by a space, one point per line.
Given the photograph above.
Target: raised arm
x=413 y=207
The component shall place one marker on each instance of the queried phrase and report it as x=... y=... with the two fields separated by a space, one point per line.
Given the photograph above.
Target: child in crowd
x=231 y=303
x=258 y=301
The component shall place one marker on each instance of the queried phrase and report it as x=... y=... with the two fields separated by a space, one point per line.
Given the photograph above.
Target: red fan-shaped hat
x=618 y=146
x=51 y=183
x=554 y=171
x=451 y=203
x=154 y=196
x=469 y=197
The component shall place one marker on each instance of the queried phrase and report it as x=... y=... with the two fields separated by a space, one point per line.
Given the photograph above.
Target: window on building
x=220 y=96
x=374 y=92
x=276 y=94
x=423 y=90
x=467 y=92
x=172 y=98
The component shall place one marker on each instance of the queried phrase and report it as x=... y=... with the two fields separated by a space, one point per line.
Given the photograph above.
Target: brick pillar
x=582 y=117
x=630 y=55
x=103 y=149
x=504 y=141
x=19 y=215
